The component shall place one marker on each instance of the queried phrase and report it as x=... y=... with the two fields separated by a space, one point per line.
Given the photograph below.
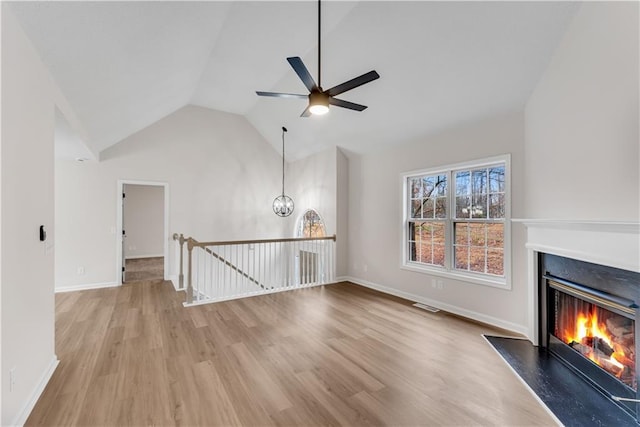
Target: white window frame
x=449 y=271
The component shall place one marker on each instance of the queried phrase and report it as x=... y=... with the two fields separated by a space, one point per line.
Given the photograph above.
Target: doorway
x=143 y=228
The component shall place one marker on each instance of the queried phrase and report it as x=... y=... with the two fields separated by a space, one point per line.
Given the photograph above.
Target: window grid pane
x=480 y=193
x=427 y=242
x=415 y=209
x=428 y=197
x=478 y=247
x=428 y=210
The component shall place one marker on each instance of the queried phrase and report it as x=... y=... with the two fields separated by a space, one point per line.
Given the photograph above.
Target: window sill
x=497 y=282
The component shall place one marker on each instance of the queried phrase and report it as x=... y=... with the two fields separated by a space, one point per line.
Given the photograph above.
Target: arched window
x=311 y=225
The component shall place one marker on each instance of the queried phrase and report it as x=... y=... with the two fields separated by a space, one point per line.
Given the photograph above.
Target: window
x=311 y=225
x=456 y=221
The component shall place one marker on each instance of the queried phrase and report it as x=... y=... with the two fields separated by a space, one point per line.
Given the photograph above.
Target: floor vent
x=426 y=307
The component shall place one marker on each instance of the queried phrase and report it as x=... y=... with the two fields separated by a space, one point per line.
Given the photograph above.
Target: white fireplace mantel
x=614 y=244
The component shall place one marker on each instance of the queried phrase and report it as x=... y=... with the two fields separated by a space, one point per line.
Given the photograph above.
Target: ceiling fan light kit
x=319 y=99
x=318 y=103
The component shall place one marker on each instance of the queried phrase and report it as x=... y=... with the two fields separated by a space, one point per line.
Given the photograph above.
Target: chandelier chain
x=283 y=131
x=283 y=205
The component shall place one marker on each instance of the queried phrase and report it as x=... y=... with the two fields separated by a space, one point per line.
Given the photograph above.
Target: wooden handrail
x=249 y=242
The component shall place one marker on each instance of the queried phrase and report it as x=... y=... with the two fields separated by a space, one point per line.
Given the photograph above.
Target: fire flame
x=588 y=326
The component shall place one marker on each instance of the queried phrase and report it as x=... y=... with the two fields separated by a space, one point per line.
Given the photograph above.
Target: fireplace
x=588 y=315
x=605 y=336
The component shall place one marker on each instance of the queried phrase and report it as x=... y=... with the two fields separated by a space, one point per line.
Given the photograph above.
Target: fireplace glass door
x=598 y=330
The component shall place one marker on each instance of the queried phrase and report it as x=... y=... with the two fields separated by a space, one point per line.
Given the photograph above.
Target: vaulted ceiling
x=124 y=65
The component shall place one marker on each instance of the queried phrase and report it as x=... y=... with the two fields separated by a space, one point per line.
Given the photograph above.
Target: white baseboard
x=143 y=256
x=175 y=280
x=85 y=287
x=494 y=321
x=22 y=416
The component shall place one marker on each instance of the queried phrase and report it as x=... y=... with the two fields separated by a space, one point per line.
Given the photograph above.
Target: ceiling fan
x=319 y=99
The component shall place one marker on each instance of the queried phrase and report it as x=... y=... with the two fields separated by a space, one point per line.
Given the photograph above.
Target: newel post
x=180 y=239
x=181 y=275
x=189 y=273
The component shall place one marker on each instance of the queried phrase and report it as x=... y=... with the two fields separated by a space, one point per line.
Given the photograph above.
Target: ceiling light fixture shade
x=318 y=103
x=283 y=205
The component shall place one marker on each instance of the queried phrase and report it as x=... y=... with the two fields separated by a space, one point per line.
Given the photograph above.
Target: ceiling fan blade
x=306 y=112
x=282 y=95
x=346 y=104
x=353 y=83
x=302 y=72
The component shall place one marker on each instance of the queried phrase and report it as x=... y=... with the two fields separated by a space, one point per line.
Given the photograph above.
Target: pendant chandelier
x=283 y=204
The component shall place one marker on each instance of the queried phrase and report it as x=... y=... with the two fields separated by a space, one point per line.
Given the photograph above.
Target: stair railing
x=224 y=270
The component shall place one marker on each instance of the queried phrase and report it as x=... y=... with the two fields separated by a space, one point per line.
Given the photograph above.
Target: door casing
x=119 y=226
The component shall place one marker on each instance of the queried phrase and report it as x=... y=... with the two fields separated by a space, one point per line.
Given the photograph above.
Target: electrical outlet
x=80 y=271
x=440 y=284
x=365 y=267
x=12 y=379
x=434 y=284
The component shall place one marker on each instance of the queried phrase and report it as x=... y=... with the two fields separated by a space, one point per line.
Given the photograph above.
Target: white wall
x=27 y=297
x=311 y=183
x=143 y=221
x=320 y=182
x=375 y=219
x=222 y=179
x=582 y=121
x=342 y=214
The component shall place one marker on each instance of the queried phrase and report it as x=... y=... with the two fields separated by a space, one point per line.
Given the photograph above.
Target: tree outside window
x=311 y=225
x=478 y=225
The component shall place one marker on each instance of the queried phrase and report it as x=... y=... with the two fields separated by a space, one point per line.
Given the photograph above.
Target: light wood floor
x=332 y=355
x=138 y=269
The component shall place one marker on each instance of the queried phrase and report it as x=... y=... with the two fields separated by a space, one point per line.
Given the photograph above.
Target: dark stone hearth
x=572 y=400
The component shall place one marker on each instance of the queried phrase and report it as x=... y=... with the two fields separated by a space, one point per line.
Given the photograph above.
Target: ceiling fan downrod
x=319 y=45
